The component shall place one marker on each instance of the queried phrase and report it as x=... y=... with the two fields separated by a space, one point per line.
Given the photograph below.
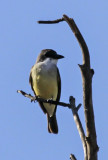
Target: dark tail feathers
x=52 y=124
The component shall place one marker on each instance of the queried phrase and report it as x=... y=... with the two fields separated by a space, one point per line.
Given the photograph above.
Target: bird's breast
x=45 y=82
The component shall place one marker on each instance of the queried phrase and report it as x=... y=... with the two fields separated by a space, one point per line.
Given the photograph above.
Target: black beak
x=60 y=56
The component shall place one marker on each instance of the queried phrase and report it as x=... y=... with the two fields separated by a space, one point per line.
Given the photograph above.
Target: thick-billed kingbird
x=46 y=83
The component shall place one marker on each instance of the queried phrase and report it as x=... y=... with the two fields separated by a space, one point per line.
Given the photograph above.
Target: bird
x=45 y=82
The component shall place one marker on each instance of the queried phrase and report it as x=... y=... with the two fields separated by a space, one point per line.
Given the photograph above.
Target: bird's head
x=48 y=55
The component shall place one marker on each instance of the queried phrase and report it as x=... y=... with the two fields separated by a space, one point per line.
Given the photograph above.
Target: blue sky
x=23 y=126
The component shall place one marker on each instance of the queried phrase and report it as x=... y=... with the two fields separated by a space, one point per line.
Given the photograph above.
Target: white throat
x=50 y=61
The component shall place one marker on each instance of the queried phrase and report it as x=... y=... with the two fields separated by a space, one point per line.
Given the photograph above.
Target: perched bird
x=45 y=81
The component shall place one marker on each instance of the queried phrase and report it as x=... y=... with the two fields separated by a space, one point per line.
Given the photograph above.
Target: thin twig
x=51 y=22
x=36 y=98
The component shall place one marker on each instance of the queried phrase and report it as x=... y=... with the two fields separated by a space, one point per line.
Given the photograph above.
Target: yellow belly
x=45 y=86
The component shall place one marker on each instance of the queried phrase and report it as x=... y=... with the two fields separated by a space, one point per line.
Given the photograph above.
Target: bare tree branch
x=36 y=98
x=51 y=22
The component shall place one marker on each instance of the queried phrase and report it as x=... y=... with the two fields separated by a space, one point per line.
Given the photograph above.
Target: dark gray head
x=48 y=53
